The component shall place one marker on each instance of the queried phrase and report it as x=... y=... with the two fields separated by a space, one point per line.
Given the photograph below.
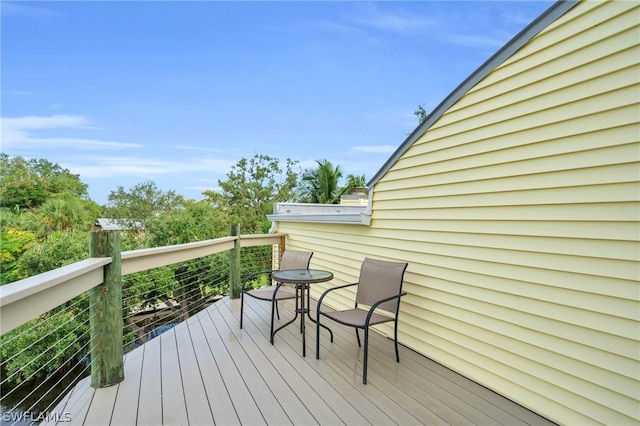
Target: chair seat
x=356 y=317
x=266 y=293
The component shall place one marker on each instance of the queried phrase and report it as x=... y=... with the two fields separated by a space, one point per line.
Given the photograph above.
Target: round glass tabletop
x=302 y=276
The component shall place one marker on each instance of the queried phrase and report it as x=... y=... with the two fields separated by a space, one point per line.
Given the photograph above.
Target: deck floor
x=207 y=371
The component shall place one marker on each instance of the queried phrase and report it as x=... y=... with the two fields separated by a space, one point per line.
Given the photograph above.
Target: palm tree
x=354 y=181
x=320 y=185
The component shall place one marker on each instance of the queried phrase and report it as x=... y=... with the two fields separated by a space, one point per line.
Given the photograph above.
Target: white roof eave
x=347 y=218
x=321 y=213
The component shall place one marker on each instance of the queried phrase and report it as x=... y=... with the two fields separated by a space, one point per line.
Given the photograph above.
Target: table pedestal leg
x=303 y=310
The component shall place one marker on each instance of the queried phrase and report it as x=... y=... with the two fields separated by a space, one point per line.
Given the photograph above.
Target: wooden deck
x=207 y=371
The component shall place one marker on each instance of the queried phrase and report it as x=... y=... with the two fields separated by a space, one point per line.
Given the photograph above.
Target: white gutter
x=319 y=213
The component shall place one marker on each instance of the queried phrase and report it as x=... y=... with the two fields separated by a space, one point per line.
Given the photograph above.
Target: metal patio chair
x=291 y=259
x=380 y=288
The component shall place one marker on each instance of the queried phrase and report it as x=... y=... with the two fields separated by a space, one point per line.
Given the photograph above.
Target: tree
x=26 y=184
x=194 y=221
x=421 y=113
x=59 y=248
x=251 y=189
x=354 y=181
x=321 y=185
x=13 y=242
x=56 y=338
x=140 y=205
x=62 y=214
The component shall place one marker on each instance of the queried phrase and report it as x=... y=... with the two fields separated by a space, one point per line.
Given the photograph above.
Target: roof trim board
x=540 y=23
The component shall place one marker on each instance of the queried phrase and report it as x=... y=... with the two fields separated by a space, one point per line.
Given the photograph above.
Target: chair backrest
x=295 y=259
x=380 y=279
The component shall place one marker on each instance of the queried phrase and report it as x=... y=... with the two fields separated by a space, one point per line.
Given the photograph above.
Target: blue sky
x=178 y=92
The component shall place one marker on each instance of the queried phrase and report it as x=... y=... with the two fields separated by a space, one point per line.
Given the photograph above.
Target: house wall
x=518 y=212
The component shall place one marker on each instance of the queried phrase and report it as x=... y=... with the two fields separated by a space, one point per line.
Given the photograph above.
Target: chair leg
x=318 y=334
x=273 y=309
x=358 y=337
x=241 y=307
x=395 y=338
x=366 y=355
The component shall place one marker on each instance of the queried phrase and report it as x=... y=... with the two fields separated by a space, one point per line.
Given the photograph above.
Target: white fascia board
x=320 y=213
x=350 y=218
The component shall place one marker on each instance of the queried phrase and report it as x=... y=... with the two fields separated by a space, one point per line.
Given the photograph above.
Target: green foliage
x=27 y=184
x=38 y=348
x=354 y=182
x=58 y=249
x=141 y=203
x=194 y=221
x=421 y=113
x=61 y=215
x=145 y=289
x=13 y=243
x=251 y=189
x=321 y=185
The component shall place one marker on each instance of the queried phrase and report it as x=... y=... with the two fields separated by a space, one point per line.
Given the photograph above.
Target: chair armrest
x=379 y=302
x=330 y=290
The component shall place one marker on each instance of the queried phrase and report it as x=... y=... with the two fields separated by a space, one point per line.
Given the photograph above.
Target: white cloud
x=200 y=148
x=44 y=122
x=375 y=149
x=149 y=168
x=397 y=21
x=19 y=133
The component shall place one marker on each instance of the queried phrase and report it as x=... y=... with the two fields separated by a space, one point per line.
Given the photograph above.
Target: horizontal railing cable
x=44 y=365
x=11 y=337
x=25 y=349
x=151 y=299
x=41 y=384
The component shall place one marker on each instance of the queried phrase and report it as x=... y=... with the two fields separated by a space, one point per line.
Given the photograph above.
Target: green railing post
x=234 y=262
x=105 y=312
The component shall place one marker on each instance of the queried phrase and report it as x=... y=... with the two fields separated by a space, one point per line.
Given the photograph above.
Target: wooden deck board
x=222 y=408
x=316 y=409
x=251 y=372
x=345 y=387
x=80 y=400
x=208 y=371
x=195 y=393
x=150 y=396
x=335 y=402
x=102 y=406
x=174 y=408
x=126 y=404
x=271 y=372
x=243 y=402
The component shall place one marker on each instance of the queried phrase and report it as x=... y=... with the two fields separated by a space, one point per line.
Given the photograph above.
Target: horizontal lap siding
x=518 y=212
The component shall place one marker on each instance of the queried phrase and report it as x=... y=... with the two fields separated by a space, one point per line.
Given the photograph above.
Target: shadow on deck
x=207 y=371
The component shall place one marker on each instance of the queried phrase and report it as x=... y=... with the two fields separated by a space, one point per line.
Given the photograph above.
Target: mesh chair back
x=380 y=279
x=295 y=259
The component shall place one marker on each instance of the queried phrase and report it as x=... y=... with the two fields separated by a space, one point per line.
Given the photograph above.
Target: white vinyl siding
x=518 y=212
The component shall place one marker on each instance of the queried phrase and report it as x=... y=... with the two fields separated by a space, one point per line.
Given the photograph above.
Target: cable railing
x=40 y=358
x=43 y=358
x=178 y=292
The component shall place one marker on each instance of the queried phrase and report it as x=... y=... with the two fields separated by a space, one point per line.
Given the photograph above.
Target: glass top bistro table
x=302 y=279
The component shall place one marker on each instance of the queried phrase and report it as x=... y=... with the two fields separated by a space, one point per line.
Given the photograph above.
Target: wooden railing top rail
x=150 y=258
x=23 y=300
